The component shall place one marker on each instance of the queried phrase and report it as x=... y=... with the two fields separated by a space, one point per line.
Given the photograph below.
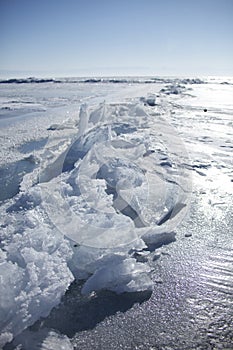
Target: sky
x=116 y=37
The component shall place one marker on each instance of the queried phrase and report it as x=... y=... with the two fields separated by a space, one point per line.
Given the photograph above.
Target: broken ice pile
x=110 y=186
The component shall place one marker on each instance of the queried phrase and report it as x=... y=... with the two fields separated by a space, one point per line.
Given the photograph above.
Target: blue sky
x=116 y=37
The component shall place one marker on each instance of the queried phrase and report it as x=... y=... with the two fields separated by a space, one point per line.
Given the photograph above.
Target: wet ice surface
x=192 y=293
x=191 y=303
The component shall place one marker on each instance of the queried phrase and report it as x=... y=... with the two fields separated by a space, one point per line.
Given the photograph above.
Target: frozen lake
x=116 y=214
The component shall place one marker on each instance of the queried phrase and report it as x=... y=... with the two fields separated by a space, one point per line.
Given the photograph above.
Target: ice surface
x=126 y=276
x=34 y=274
x=45 y=339
x=108 y=185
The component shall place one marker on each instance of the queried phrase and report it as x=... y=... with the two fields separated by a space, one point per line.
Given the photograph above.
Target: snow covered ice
x=109 y=185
